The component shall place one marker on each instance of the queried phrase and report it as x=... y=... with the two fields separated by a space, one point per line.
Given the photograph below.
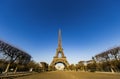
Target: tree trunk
x=6 y=70
x=112 y=70
x=15 y=69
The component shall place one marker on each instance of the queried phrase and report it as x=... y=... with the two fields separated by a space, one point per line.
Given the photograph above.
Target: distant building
x=89 y=61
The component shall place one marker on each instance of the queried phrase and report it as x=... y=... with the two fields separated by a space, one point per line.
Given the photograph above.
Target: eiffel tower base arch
x=59 y=60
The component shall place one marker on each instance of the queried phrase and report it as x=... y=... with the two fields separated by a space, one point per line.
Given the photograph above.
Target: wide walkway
x=71 y=75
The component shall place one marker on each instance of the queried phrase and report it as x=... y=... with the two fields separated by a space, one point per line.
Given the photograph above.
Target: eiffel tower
x=59 y=50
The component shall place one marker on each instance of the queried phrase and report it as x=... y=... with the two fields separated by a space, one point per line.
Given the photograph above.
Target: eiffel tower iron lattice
x=59 y=50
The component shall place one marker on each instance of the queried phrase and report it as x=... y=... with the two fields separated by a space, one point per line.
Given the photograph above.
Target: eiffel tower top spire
x=59 y=39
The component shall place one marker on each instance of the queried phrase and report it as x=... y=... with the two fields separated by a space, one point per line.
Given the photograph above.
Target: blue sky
x=88 y=27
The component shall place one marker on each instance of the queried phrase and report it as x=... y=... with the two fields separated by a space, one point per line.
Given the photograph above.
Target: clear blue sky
x=88 y=27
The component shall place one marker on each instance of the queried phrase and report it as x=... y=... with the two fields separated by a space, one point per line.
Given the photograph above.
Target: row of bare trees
x=107 y=61
x=12 y=56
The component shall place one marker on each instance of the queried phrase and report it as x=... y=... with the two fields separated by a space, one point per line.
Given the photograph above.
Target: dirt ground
x=71 y=75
